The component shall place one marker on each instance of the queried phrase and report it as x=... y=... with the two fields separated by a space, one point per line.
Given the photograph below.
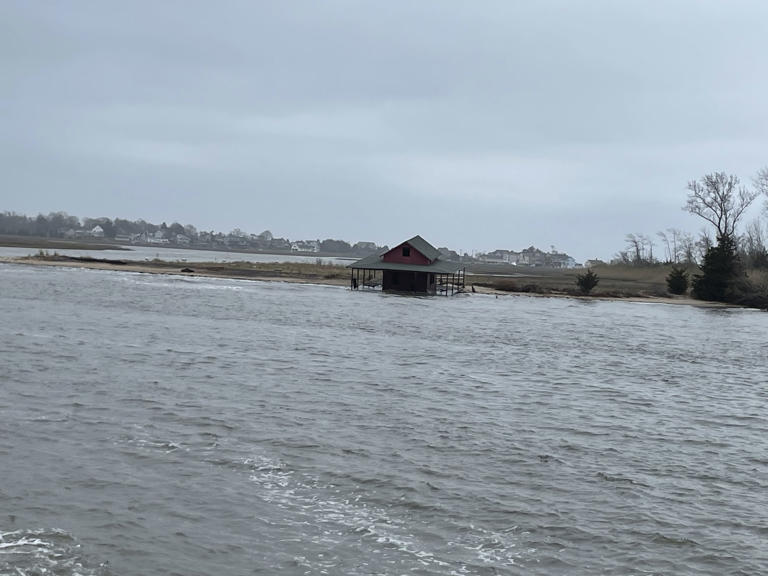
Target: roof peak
x=423 y=246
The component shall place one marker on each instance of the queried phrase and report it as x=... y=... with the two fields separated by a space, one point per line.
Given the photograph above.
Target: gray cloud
x=500 y=124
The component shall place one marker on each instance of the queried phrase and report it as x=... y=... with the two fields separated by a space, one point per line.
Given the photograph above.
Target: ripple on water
x=45 y=551
x=330 y=516
x=181 y=426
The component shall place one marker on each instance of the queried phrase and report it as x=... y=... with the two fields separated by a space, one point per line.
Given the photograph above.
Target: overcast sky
x=479 y=125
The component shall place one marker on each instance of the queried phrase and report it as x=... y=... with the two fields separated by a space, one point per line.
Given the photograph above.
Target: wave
x=45 y=551
x=333 y=516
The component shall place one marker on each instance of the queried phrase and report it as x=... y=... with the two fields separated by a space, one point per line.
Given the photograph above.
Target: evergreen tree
x=720 y=271
x=587 y=281
x=677 y=280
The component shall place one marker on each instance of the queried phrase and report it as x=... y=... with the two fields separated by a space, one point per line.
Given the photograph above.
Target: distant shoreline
x=39 y=242
x=42 y=243
x=299 y=273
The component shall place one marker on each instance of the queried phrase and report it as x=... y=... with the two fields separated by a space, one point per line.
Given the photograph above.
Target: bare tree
x=753 y=245
x=761 y=181
x=639 y=250
x=622 y=257
x=677 y=249
x=719 y=200
x=753 y=235
x=704 y=243
x=635 y=247
x=648 y=241
x=680 y=245
x=668 y=255
x=761 y=184
x=687 y=246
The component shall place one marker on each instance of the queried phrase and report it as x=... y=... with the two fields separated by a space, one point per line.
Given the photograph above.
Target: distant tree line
x=723 y=260
x=721 y=201
x=62 y=225
x=48 y=226
x=676 y=247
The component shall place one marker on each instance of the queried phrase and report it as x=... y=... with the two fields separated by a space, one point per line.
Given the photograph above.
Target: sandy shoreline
x=176 y=269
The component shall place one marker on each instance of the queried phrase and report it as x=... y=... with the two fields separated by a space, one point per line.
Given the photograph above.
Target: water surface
x=153 y=424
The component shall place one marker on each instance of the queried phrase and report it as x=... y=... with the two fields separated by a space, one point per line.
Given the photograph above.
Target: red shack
x=413 y=266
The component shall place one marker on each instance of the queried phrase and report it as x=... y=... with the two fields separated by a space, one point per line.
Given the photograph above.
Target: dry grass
x=615 y=281
x=285 y=269
x=239 y=269
x=244 y=269
x=54 y=243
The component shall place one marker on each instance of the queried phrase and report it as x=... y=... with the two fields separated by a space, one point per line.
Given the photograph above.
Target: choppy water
x=162 y=425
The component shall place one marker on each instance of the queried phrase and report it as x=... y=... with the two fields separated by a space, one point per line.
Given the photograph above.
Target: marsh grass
x=239 y=268
x=304 y=270
x=12 y=241
x=615 y=281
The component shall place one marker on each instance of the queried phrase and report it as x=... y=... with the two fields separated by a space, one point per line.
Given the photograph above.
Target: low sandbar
x=306 y=273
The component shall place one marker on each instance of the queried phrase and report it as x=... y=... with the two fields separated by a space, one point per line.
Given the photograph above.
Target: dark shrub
x=587 y=281
x=677 y=280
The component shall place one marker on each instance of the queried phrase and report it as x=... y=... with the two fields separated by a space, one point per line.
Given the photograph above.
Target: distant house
x=157 y=238
x=305 y=246
x=448 y=254
x=413 y=266
x=364 y=248
x=97 y=232
x=557 y=260
x=497 y=257
x=239 y=242
x=279 y=244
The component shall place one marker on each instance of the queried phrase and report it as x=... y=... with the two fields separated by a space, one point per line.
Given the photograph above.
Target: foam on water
x=327 y=517
x=335 y=517
x=43 y=552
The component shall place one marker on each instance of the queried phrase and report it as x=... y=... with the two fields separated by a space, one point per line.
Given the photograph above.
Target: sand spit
x=301 y=274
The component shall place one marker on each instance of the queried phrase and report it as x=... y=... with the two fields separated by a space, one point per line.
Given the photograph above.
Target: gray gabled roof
x=374 y=262
x=371 y=261
x=423 y=246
